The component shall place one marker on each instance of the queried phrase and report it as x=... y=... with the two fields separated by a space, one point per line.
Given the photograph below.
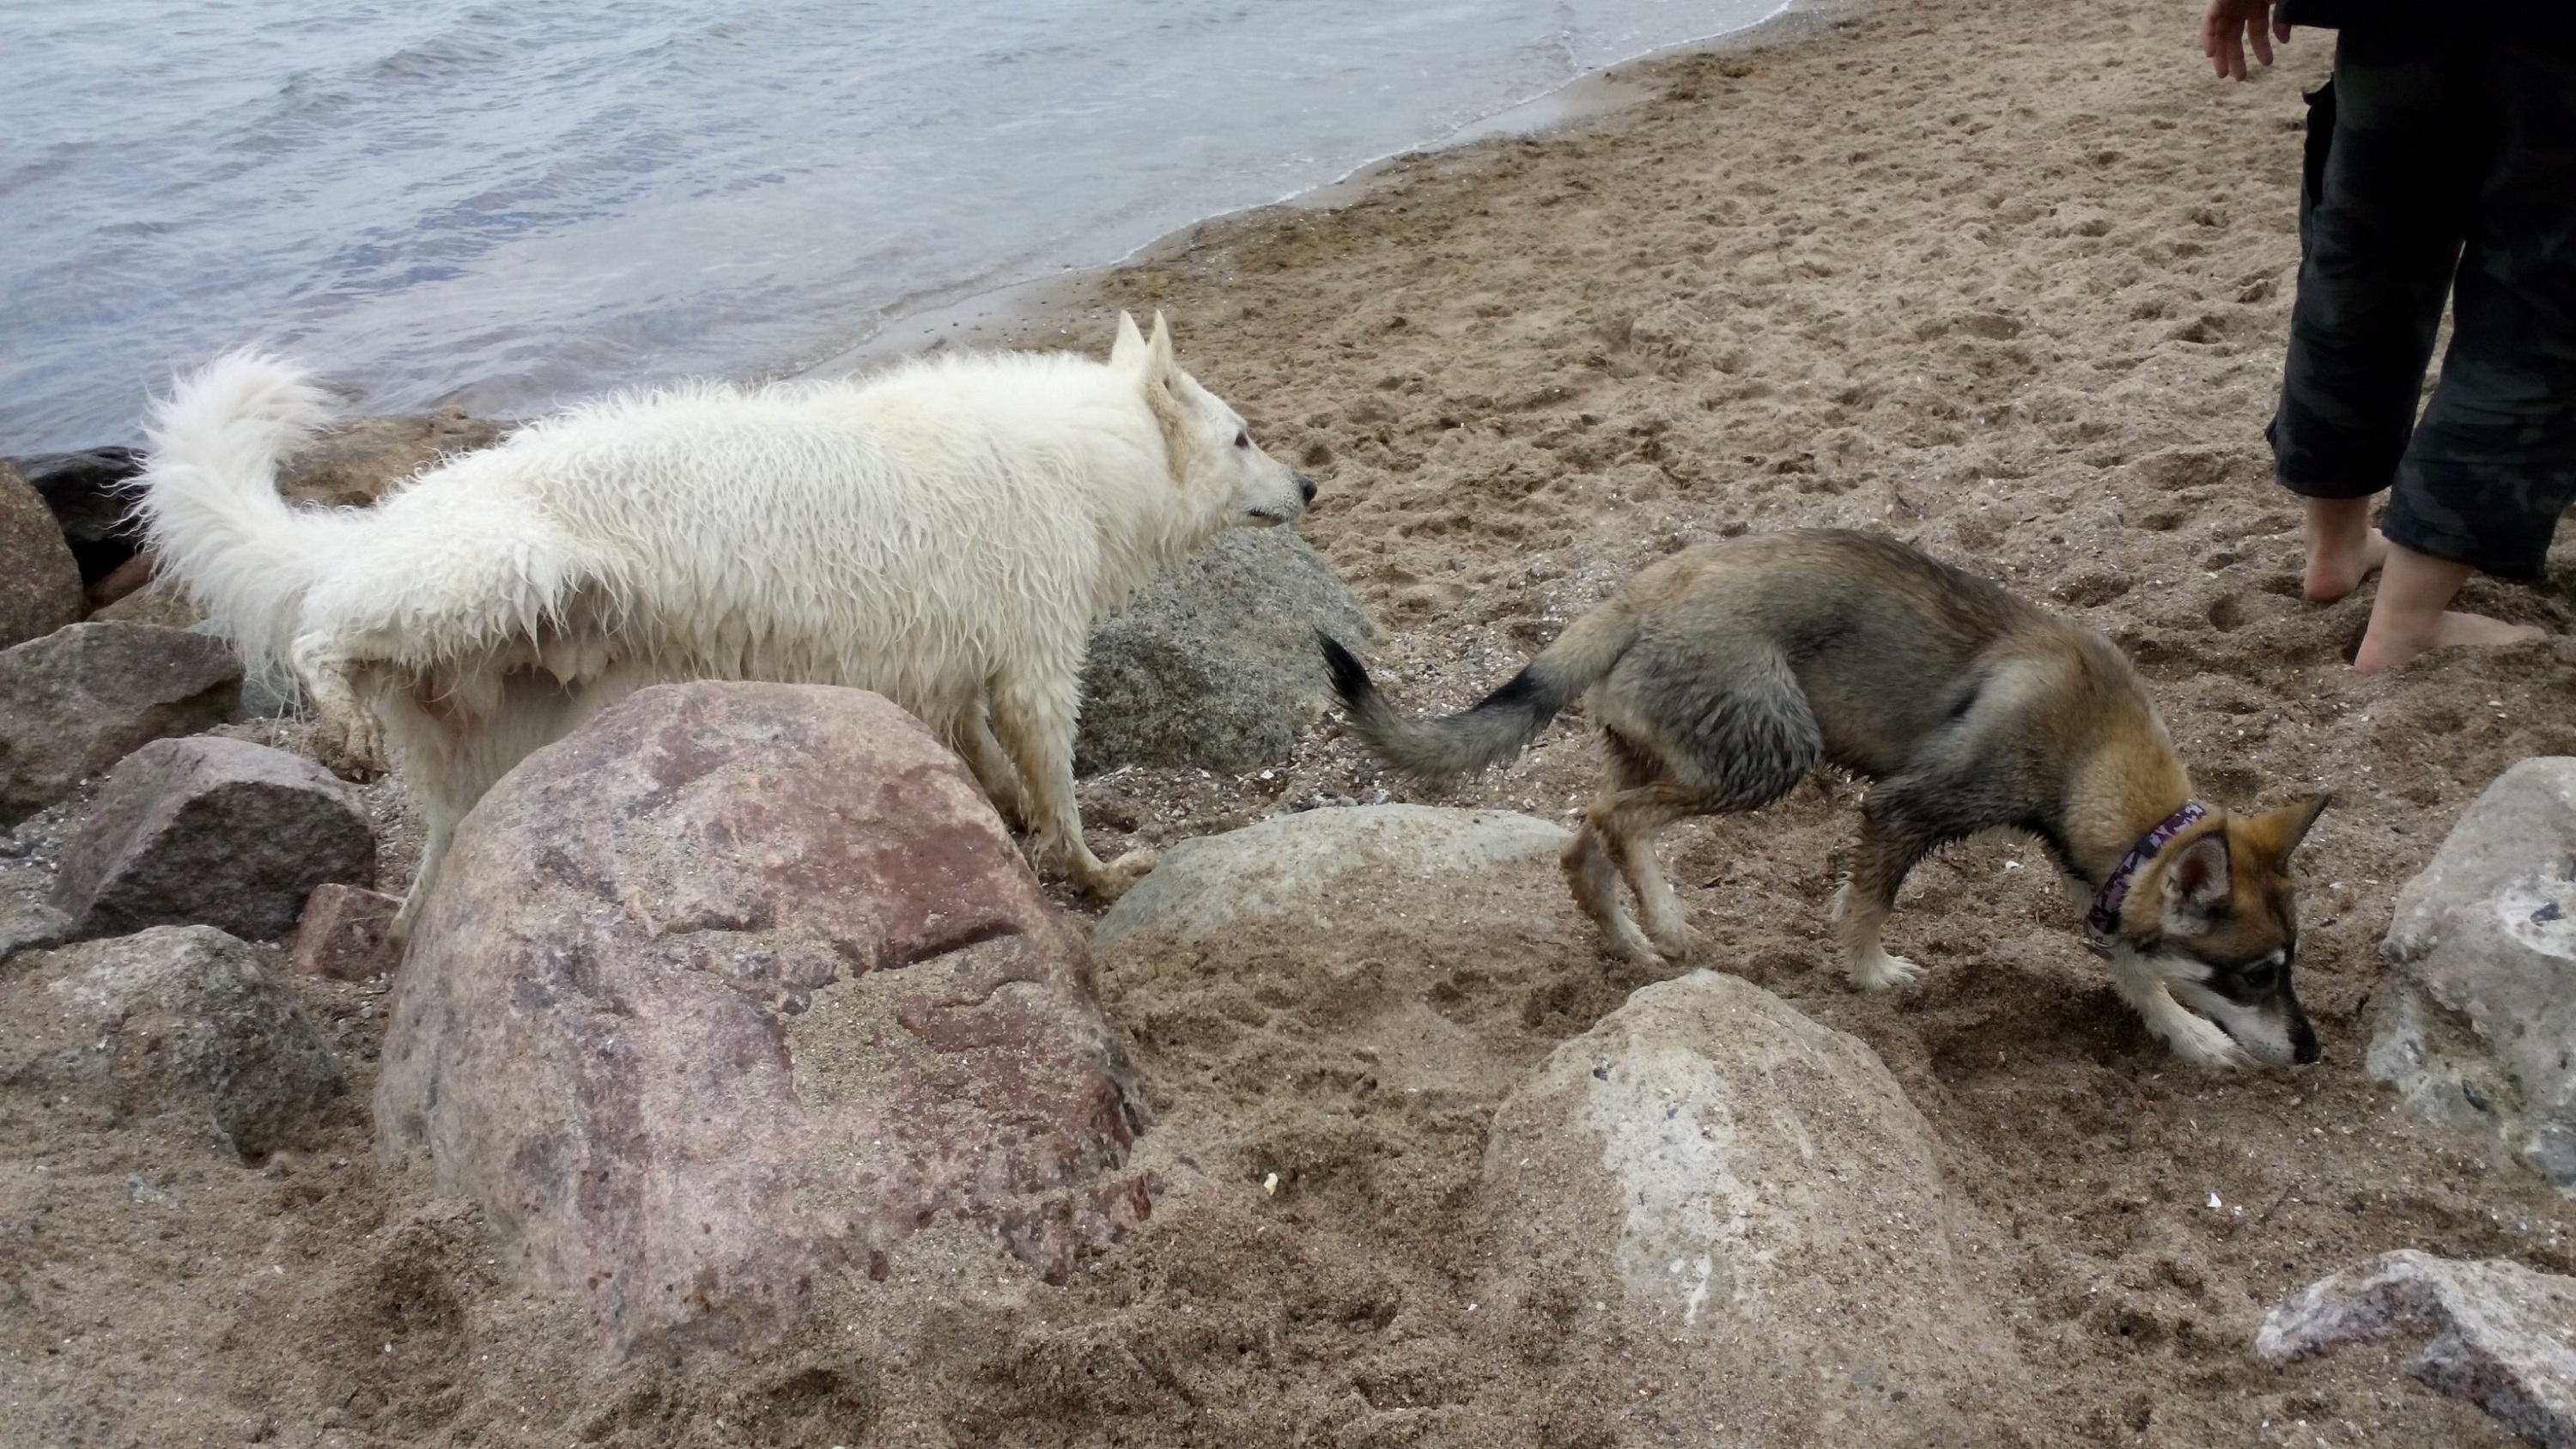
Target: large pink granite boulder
x=725 y=996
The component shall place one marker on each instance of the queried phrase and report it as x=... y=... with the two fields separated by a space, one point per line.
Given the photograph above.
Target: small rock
x=84 y=697
x=2476 y=1023
x=1720 y=1194
x=40 y=583
x=2494 y=1332
x=212 y=831
x=721 y=999
x=1215 y=665
x=342 y=934
x=175 y=1020
x=1290 y=868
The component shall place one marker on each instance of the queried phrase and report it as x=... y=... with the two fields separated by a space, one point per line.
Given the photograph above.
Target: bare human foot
x=2412 y=613
x=2386 y=648
x=2343 y=549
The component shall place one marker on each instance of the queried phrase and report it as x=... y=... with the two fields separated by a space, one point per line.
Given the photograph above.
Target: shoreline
x=1044 y=311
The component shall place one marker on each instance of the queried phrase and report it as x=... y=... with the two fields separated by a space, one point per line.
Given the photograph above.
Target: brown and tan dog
x=1721 y=675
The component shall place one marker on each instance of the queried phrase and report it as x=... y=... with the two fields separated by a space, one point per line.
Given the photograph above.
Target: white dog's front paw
x=1114 y=879
x=350 y=741
x=1878 y=971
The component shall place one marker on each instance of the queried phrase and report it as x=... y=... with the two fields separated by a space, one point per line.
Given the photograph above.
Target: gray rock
x=2494 y=1332
x=27 y=926
x=723 y=998
x=260 y=698
x=1215 y=665
x=353 y=463
x=1720 y=1194
x=176 y=1020
x=40 y=583
x=84 y=697
x=345 y=934
x=158 y=602
x=1292 y=869
x=2476 y=1025
x=216 y=832
x=85 y=491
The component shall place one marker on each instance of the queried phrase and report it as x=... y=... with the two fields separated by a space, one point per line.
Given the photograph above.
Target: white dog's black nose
x=1306 y=487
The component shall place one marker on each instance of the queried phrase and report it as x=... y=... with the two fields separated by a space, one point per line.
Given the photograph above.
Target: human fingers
x=2259 y=33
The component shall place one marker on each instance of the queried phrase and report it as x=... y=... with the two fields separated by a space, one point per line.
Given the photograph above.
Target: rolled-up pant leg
x=2492 y=463
x=2383 y=218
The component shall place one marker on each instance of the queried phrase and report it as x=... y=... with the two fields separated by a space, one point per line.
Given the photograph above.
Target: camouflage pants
x=2439 y=168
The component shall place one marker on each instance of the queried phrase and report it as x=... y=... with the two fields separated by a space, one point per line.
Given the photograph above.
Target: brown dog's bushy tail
x=1435 y=751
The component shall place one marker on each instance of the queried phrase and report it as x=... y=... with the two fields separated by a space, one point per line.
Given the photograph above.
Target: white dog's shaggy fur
x=947 y=535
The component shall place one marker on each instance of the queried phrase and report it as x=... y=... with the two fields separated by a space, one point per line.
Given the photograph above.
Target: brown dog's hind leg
x=1595 y=881
x=1648 y=800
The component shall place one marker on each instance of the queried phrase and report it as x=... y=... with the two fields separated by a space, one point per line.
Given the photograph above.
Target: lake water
x=512 y=204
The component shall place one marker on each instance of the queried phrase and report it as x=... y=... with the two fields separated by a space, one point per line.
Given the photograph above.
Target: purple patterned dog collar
x=2104 y=918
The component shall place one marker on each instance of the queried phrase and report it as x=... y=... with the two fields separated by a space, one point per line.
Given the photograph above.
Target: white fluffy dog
x=947 y=534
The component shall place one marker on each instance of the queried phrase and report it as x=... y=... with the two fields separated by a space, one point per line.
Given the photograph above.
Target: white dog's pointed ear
x=1129 y=349
x=1159 y=365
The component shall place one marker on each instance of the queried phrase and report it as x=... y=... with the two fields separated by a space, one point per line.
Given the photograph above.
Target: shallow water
x=508 y=204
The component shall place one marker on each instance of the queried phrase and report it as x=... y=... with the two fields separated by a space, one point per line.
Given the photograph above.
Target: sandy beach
x=2008 y=283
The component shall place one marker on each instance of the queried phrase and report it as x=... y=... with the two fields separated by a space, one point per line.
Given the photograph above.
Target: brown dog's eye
x=1242 y=439
x=2259 y=977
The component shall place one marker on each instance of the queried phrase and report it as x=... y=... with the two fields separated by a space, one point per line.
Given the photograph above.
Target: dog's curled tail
x=1498 y=727
x=210 y=509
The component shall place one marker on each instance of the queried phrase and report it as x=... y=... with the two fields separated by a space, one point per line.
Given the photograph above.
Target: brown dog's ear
x=2196 y=879
x=2275 y=833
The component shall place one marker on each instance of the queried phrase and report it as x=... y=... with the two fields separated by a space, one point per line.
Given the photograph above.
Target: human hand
x=2227 y=26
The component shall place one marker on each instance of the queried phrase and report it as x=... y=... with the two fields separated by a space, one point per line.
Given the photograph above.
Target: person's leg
x=2343 y=548
x=2381 y=204
x=2493 y=463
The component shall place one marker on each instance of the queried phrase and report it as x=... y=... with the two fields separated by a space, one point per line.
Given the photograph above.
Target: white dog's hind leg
x=992 y=764
x=451 y=759
x=1035 y=725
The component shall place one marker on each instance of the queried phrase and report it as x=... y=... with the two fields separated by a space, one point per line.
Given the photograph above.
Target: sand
x=2008 y=282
